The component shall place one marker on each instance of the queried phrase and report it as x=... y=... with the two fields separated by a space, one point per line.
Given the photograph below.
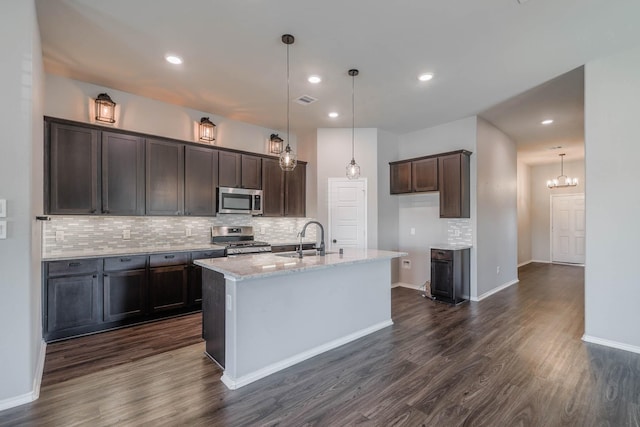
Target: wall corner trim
x=22 y=399
x=494 y=290
x=407 y=285
x=609 y=343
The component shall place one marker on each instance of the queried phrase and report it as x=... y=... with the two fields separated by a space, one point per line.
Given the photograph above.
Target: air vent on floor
x=306 y=100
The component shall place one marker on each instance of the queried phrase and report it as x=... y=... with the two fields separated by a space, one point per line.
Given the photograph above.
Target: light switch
x=59 y=236
x=413 y=231
x=3 y=229
x=3 y=208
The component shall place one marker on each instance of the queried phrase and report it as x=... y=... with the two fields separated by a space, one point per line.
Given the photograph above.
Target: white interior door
x=567 y=228
x=347 y=213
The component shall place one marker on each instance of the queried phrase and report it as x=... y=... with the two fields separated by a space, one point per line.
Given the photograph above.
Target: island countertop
x=243 y=267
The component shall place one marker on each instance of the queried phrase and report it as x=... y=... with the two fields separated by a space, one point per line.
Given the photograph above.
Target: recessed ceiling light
x=547 y=122
x=314 y=79
x=425 y=77
x=333 y=114
x=173 y=59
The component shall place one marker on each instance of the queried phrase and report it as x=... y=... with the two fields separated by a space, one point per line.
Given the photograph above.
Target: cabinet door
x=295 y=191
x=124 y=294
x=442 y=279
x=453 y=171
x=400 y=175
x=73 y=170
x=200 y=181
x=424 y=175
x=272 y=188
x=195 y=279
x=251 y=172
x=168 y=287
x=229 y=167
x=165 y=178
x=122 y=174
x=72 y=302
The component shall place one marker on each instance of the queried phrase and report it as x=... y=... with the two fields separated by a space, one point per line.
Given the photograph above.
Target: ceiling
x=482 y=53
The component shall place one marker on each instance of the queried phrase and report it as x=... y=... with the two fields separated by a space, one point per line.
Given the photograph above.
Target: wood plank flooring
x=515 y=358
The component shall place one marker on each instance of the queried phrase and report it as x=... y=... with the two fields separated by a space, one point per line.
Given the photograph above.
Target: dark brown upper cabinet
x=200 y=181
x=272 y=188
x=400 y=174
x=122 y=174
x=454 y=177
x=72 y=170
x=295 y=191
x=239 y=170
x=424 y=175
x=165 y=178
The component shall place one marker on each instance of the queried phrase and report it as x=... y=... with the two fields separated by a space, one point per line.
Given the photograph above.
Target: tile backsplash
x=459 y=232
x=92 y=234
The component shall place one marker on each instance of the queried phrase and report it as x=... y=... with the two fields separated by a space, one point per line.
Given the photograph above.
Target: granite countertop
x=243 y=267
x=450 y=246
x=105 y=253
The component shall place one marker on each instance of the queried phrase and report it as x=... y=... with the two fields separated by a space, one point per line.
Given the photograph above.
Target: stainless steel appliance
x=238 y=240
x=239 y=201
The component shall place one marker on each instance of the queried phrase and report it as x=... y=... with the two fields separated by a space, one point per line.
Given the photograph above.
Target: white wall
x=388 y=211
x=524 y=212
x=497 y=215
x=334 y=153
x=21 y=186
x=612 y=135
x=541 y=203
x=421 y=211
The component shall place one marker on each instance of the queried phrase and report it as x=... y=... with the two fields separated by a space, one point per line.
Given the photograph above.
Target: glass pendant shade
x=207 y=129
x=105 y=109
x=288 y=159
x=353 y=170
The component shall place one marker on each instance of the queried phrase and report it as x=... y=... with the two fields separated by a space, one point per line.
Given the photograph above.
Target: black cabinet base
x=449 y=300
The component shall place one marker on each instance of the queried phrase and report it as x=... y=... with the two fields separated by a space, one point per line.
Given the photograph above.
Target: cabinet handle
x=93 y=211
x=169 y=256
x=95 y=276
x=74 y=264
x=106 y=211
x=105 y=275
x=125 y=259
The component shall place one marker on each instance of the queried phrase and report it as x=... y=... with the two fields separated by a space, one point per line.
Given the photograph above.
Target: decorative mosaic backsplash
x=105 y=233
x=459 y=232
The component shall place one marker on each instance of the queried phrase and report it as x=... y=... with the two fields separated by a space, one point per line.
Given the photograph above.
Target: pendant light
x=287 y=156
x=353 y=170
x=562 y=180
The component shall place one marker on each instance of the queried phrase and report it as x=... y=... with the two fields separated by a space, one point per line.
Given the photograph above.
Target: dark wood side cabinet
x=272 y=188
x=454 y=179
x=400 y=176
x=200 y=181
x=295 y=191
x=168 y=281
x=424 y=175
x=122 y=174
x=195 y=279
x=72 y=168
x=125 y=287
x=164 y=178
x=213 y=315
x=450 y=274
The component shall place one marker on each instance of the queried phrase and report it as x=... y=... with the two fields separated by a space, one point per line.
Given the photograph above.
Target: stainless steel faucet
x=320 y=250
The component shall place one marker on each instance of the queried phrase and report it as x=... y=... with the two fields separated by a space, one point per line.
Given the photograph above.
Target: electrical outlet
x=3 y=208
x=59 y=236
x=406 y=263
x=229 y=303
x=3 y=229
x=187 y=231
x=413 y=231
x=263 y=230
x=498 y=270
x=126 y=234
x=457 y=233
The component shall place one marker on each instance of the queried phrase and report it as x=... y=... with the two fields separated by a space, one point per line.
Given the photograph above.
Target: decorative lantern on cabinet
x=105 y=109
x=207 y=129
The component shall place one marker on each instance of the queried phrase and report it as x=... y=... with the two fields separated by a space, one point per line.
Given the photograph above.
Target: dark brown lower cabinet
x=124 y=294
x=450 y=274
x=213 y=315
x=195 y=277
x=168 y=287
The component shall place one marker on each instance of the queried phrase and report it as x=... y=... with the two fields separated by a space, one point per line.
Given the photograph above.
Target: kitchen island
x=263 y=313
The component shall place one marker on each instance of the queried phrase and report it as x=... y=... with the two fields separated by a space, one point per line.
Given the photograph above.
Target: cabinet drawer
x=160 y=260
x=214 y=253
x=442 y=254
x=74 y=266
x=125 y=263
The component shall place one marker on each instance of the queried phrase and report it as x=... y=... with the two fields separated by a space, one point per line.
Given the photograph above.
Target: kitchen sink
x=309 y=252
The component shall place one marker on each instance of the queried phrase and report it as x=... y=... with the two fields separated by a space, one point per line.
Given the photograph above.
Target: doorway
x=347 y=213
x=567 y=228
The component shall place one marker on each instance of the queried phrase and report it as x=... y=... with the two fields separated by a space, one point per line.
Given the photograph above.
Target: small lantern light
x=275 y=144
x=206 y=130
x=105 y=109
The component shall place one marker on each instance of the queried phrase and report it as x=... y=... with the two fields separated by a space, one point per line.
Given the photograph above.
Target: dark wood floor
x=515 y=358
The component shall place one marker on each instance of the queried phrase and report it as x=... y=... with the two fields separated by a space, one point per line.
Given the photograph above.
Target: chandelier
x=562 y=180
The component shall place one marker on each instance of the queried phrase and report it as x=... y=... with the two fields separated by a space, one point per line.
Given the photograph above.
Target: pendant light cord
x=287 y=96
x=353 y=116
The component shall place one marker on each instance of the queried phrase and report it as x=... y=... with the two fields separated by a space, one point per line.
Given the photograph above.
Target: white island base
x=281 y=311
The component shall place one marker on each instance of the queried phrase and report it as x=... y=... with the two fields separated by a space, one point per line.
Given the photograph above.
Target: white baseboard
x=546 y=261
x=494 y=291
x=37 y=380
x=612 y=344
x=522 y=264
x=235 y=383
x=406 y=285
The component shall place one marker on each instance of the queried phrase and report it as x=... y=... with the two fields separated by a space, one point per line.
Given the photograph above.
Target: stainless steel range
x=238 y=240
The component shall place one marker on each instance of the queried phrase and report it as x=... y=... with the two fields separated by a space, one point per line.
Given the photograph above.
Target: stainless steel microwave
x=239 y=201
